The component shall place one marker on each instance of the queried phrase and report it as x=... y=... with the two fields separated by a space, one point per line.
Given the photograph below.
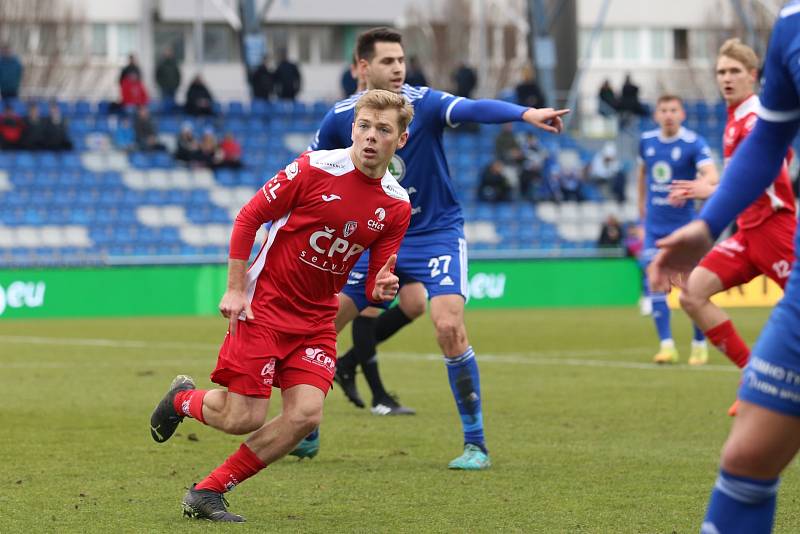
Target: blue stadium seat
x=235 y=108
x=81 y=108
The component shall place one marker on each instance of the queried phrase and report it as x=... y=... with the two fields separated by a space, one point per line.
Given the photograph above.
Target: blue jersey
x=780 y=87
x=665 y=160
x=420 y=166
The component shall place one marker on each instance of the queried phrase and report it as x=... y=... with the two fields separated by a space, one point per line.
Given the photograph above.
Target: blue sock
x=698 y=334
x=740 y=505
x=661 y=315
x=313 y=435
x=465 y=383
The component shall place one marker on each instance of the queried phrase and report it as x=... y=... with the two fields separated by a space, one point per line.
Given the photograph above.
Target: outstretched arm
x=489 y=111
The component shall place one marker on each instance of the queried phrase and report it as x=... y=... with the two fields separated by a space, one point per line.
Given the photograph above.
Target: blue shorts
x=771 y=378
x=649 y=248
x=438 y=260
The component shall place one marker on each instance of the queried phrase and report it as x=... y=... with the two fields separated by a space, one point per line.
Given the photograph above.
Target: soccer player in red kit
x=764 y=242
x=326 y=208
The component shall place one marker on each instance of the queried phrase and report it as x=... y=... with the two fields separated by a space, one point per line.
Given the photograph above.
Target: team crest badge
x=349 y=228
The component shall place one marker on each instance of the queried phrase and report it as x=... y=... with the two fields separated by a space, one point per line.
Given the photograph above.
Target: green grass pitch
x=585 y=435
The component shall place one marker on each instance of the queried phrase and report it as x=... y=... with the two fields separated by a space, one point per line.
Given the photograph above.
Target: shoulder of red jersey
x=335 y=162
x=748 y=106
x=393 y=188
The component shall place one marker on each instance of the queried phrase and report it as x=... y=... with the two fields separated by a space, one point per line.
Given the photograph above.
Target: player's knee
x=447 y=327
x=747 y=459
x=305 y=419
x=413 y=308
x=690 y=301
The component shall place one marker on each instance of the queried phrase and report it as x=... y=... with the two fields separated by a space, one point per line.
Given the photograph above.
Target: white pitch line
x=574 y=358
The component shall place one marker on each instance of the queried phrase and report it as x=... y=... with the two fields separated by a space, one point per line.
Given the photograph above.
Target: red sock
x=727 y=340
x=190 y=402
x=239 y=466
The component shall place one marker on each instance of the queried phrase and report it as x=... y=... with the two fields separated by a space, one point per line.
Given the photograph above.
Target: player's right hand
x=232 y=305
x=548 y=119
x=680 y=252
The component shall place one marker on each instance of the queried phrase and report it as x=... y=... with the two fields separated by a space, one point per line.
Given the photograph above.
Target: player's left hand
x=685 y=189
x=386 y=282
x=548 y=119
x=680 y=252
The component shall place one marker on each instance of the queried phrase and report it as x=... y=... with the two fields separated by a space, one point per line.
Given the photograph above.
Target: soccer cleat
x=666 y=355
x=307 y=448
x=389 y=405
x=347 y=381
x=473 y=459
x=165 y=419
x=208 y=505
x=699 y=355
x=734 y=409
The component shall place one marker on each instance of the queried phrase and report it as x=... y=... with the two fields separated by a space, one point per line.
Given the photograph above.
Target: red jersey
x=324 y=214
x=779 y=195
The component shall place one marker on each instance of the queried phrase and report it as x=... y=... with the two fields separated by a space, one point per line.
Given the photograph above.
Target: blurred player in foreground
x=327 y=207
x=667 y=154
x=766 y=432
x=764 y=242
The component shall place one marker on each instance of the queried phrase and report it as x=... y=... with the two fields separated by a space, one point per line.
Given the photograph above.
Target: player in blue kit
x=670 y=153
x=766 y=432
x=434 y=251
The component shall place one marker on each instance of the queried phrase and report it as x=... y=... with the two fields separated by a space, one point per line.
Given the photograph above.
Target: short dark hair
x=365 y=46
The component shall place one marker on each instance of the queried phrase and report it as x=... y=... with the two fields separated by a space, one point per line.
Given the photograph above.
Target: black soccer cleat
x=389 y=405
x=165 y=419
x=208 y=505
x=347 y=381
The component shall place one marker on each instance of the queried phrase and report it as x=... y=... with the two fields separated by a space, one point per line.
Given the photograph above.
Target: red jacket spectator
x=133 y=91
x=231 y=149
x=11 y=128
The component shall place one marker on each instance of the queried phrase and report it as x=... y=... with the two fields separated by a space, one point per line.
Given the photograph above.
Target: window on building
x=680 y=48
x=658 y=44
x=702 y=44
x=98 y=41
x=631 y=49
x=277 y=40
x=127 y=39
x=607 y=44
x=219 y=44
x=173 y=36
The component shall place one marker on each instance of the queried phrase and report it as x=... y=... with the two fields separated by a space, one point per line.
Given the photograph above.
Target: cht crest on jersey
x=349 y=228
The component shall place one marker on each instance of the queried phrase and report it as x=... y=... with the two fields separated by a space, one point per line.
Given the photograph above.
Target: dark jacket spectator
x=287 y=78
x=610 y=234
x=465 y=80
x=348 y=82
x=629 y=99
x=506 y=146
x=607 y=103
x=56 y=132
x=414 y=75
x=131 y=68
x=188 y=148
x=534 y=157
x=10 y=73
x=33 y=131
x=528 y=91
x=198 y=98
x=231 y=152
x=146 y=130
x=263 y=81
x=168 y=75
x=210 y=154
x=11 y=128
x=133 y=91
x=494 y=186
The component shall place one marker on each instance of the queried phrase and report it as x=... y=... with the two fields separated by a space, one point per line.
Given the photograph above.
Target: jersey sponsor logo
x=377 y=225
x=650 y=151
x=22 y=295
x=331 y=198
x=318 y=357
x=397 y=167
x=349 y=228
x=380 y=214
x=662 y=172
x=330 y=253
x=268 y=371
x=676 y=153
x=446 y=281
x=292 y=170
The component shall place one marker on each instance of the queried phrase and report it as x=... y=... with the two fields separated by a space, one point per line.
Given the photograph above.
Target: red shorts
x=257 y=357
x=765 y=249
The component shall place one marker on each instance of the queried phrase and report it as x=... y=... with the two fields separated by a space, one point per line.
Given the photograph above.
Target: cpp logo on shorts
x=318 y=357
x=268 y=371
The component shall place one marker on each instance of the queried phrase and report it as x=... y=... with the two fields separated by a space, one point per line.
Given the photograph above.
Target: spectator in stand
x=607 y=103
x=131 y=68
x=465 y=80
x=11 y=127
x=10 y=73
x=611 y=233
x=56 y=132
x=528 y=91
x=198 y=98
x=507 y=150
x=231 y=152
x=146 y=130
x=287 y=78
x=349 y=80
x=534 y=156
x=570 y=181
x=414 y=75
x=133 y=91
x=210 y=154
x=188 y=149
x=605 y=170
x=629 y=103
x=494 y=185
x=168 y=78
x=262 y=81
x=33 y=129
x=123 y=135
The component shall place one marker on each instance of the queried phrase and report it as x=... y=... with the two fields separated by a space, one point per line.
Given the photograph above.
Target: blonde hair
x=381 y=99
x=738 y=51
